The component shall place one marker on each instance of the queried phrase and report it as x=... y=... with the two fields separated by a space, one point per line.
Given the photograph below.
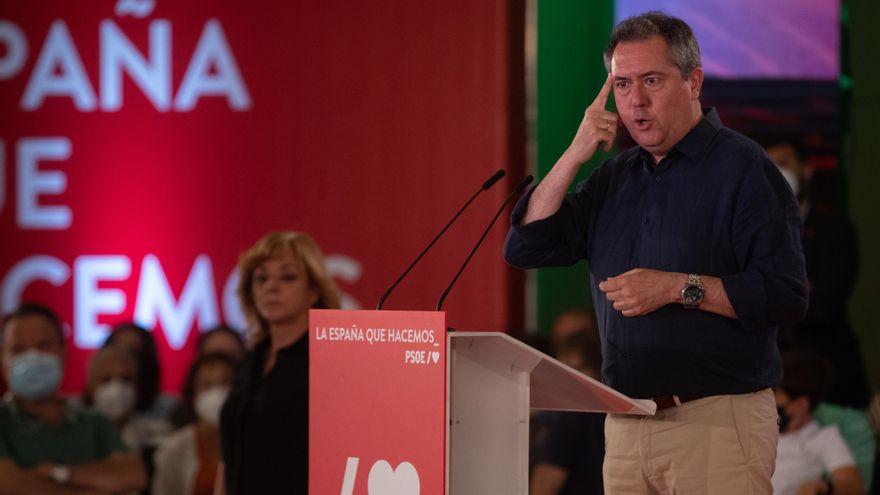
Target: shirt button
x=658 y=179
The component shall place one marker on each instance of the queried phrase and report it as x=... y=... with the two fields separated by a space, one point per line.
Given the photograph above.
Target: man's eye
x=651 y=81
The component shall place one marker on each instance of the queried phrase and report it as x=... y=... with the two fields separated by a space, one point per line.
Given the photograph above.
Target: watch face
x=692 y=294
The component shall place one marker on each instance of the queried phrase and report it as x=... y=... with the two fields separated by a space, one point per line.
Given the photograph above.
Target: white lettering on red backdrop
x=59 y=72
x=155 y=302
x=144 y=145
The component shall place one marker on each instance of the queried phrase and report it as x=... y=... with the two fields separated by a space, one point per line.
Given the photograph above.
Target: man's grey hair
x=683 y=47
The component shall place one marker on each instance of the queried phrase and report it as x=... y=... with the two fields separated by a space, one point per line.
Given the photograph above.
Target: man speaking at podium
x=694 y=244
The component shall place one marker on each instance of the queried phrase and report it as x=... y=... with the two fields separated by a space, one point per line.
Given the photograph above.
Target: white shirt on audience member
x=177 y=463
x=807 y=454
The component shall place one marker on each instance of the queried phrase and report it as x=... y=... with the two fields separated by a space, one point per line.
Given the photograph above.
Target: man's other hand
x=642 y=291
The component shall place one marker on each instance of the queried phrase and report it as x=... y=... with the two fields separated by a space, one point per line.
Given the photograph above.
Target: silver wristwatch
x=693 y=291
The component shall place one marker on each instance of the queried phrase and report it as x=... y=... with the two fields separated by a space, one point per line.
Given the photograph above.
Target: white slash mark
x=351 y=467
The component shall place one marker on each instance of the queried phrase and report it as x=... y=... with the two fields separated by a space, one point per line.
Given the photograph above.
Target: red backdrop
x=144 y=146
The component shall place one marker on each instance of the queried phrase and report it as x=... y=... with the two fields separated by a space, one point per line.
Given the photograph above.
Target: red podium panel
x=368 y=368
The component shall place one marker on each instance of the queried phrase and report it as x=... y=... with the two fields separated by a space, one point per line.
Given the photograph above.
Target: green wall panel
x=863 y=175
x=572 y=34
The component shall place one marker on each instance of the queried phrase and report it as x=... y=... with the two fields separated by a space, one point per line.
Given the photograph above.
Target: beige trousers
x=723 y=444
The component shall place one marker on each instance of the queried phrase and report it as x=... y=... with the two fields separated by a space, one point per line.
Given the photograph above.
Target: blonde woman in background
x=264 y=423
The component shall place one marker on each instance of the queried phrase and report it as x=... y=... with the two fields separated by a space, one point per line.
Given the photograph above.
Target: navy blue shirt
x=715 y=205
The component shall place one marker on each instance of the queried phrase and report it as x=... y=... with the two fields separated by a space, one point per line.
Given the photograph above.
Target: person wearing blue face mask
x=48 y=446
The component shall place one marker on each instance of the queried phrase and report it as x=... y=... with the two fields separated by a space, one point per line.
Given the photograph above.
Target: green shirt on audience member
x=83 y=436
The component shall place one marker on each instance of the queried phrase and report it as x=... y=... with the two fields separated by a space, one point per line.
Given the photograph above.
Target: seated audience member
x=186 y=462
x=810 y=458
x=47 y=445
x=570 y=322
x=140 y=342
x=152 y=410
x=222 y=340
x=112 y=389
x=856 y=429
x=218 y=340
x=572 y=449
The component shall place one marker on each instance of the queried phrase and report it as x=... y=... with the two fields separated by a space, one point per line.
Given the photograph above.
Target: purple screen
x=746 y=39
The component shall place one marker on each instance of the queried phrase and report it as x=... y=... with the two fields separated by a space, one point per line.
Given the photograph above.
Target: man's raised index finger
x=602 y=98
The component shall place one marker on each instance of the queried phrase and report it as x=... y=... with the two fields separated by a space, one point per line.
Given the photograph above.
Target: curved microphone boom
x=486 y=185
x=518 y=189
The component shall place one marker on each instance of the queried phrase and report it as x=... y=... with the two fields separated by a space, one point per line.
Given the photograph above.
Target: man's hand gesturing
x=598 y=126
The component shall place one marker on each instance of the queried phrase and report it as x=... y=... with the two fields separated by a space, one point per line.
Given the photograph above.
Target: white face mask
x=792 y=180
x=115 y=399
x=210 y=402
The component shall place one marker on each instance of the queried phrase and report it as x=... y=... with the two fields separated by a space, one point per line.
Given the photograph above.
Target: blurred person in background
x=112 y=388
x=218 y=340
x=222 y=340
x=832 y=258
x=150 y=421
x=571 y=445
x=264 y=423
x=187 y=461
x=570 y=322
x=140 y=342
x=48 y=445
x=811 y=459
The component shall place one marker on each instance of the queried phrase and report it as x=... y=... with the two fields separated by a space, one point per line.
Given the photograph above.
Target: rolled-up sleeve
x=558 y=240
x=771 y=289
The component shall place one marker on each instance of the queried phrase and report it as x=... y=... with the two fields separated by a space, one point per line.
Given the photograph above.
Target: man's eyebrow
x=639 y=76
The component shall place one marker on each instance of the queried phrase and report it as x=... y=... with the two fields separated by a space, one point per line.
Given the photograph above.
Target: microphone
x=486 y=185
x=518 y=189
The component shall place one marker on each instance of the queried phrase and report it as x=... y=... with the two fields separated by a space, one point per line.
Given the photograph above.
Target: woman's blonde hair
x=304 y=249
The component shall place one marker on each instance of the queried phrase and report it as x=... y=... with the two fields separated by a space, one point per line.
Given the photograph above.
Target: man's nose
x=638 y=95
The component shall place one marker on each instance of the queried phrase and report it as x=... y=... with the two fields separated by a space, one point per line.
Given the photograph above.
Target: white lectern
x=493 y=381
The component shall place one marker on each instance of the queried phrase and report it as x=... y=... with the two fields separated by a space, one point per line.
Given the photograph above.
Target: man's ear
x=695 y=81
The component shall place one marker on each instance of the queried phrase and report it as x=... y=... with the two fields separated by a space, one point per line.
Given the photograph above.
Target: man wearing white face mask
x=186 y=461
x=48 y=446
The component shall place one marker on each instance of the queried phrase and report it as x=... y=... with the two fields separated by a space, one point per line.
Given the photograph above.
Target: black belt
x=670 y=401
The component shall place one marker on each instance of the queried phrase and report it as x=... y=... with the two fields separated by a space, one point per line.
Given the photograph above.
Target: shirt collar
x=805 y=433
x=697 y=139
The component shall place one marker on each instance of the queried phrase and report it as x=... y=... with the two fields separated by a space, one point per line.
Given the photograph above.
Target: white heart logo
x=435 y=356
x=386 y=481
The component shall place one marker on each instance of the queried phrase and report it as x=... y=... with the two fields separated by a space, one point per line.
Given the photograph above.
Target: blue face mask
x=35 y=374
